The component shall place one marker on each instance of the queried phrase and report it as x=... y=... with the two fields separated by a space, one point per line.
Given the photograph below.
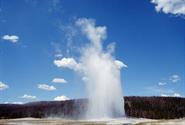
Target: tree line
x=139 y=107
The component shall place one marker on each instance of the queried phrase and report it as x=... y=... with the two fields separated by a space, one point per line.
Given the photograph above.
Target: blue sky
x=149 y=38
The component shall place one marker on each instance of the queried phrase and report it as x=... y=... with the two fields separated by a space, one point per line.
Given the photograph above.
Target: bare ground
x=121 y=121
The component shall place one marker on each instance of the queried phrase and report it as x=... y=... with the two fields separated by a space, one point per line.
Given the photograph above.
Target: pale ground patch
x=118 y=121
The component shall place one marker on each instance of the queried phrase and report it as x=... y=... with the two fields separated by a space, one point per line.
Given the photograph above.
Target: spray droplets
x=101 y=72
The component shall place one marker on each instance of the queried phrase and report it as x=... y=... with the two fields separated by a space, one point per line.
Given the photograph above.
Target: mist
x=100 y=71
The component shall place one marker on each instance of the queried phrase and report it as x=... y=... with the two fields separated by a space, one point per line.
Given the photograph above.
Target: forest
x=135 y=106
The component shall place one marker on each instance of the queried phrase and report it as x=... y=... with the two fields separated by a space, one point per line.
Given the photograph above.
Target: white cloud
x=61 y=98
x=94 y=33
x=67 y=63
x=3 y=86
x=13 y=103
x=17 y=103
x=25 y=96
x=165 y=95
x=162 y=83
x=59 y=80
x=6 y=102
x=171 y=95
x=120 y=64
x=46 y=87
x=176 y=7
x=177 y=95
x=11 y=38
x=175 y=78
x=157 y=89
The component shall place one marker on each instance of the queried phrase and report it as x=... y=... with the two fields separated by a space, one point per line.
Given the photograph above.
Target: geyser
x=101 y=72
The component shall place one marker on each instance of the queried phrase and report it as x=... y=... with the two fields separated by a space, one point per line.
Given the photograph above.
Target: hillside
x=140 y=107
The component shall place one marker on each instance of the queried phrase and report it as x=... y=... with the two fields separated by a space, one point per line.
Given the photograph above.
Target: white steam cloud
x=100 y=70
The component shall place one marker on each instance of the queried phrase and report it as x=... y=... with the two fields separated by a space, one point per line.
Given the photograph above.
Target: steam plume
x=101 y=72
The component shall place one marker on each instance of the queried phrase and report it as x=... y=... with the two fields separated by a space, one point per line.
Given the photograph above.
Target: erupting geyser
x=101 y=72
